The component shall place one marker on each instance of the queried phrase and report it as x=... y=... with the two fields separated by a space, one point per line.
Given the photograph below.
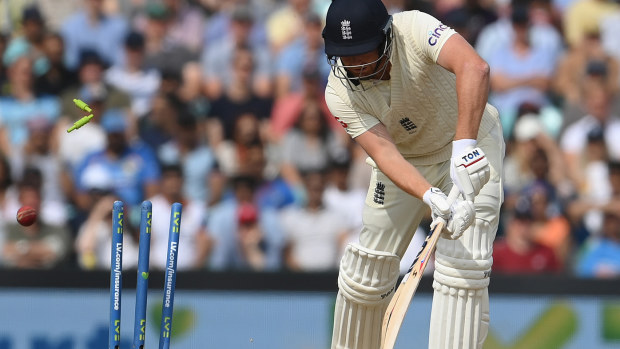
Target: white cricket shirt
x=418 y=105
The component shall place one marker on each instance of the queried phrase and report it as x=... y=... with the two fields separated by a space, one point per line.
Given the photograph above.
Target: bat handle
x=454 y=194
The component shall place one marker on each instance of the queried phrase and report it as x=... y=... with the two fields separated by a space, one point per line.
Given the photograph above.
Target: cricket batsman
x=413 y=93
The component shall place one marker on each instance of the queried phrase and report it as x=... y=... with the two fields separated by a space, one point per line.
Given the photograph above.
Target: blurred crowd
x=218 y=104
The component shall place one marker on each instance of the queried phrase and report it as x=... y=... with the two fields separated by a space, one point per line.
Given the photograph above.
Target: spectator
x=286 y=24
x=574 y=138
x=186 y=24
x=467 y=18
x=72 y=148
x=520 y=72
x=4 y=40
x=159 y=125
x=305 y=53
x=91 y=28
x=550 y=228
x=246 y=236
x=533 y=156
x=30 y=43
x=238 y=99
x=286 y=110
x=614 y=178
x=232 y=155
x=585 y=16
x=314 y=234
x=57 y=78
x=21 y=103
x=190 y=90
x=361 y=171
x=99 y=96
x=6 y=215
x=312 y=137
x=52 y=211
x=219 y=59
x=518 y=252
x=522 y=148
x=600 y=257
x=39 y=246
x=38 y=153
x=33 y=26
x=171 y=81
x=595 y=169
x=97 y=184
x=6 y=181
x=132 y=165
x=596 y=186
x=499 y=34
x=272 y=191
x=133 y=78
x=220 y=21
x=586 y=60
x=341 y=198
x=535 y=171
x=194 y=241
x=201 y=177
x=586 y=213
x=95 y=235
x=457 y=19
x=162 y=52
x=251 y=237
x=545 y=17
x=92 y=88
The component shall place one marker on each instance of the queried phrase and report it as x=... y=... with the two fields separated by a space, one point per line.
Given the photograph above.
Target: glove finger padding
x=463 y=215
x=438 y=202
x=472 y=172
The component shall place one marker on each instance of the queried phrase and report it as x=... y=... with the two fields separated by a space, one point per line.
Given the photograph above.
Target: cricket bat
x=397 y=308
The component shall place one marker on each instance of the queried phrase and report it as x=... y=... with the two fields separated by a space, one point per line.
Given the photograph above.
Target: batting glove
x=440 y=207
x=469 y=168
x=456 y=217
x=462 y=217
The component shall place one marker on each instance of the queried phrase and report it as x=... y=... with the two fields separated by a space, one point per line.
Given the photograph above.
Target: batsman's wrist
x=459 y=145
x=427 y=195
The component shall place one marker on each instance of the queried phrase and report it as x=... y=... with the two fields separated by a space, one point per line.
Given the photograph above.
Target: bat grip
x=454 y=194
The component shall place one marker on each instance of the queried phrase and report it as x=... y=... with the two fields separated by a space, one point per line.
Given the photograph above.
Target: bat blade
x=397 y=308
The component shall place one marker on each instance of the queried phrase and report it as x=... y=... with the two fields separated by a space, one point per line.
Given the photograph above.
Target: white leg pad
x=460 y=312
x=460 y=318
x=366 y=283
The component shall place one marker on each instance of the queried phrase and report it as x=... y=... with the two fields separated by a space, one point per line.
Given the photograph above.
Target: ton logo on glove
x=473 y=155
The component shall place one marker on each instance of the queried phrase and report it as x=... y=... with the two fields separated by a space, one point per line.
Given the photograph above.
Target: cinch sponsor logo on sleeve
x=434 y=35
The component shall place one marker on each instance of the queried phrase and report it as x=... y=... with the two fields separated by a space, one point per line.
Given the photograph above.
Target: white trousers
x=390 y=219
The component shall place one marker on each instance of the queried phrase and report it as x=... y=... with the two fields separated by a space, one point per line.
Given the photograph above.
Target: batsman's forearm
x=380 y=147
x=472 y=88
x=403 y=174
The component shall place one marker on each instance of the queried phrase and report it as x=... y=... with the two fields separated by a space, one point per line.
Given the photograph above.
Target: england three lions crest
x=408 y=125
x=345 y=27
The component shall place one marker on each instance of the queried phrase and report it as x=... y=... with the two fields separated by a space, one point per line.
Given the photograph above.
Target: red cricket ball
x=26 y=216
